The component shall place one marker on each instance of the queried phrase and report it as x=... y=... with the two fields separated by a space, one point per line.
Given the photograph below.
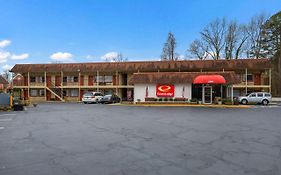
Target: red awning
x=209 y=79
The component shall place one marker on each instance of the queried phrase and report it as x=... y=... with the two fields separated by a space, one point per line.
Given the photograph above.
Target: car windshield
x=88 y=94
x=107 y=96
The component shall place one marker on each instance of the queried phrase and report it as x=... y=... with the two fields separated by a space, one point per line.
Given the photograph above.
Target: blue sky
x=42 y=31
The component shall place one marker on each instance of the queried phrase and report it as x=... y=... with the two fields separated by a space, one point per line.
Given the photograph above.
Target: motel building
x=205 y=81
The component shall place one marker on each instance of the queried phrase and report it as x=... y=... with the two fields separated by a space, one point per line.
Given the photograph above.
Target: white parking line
x=270 y=106
x=7 y=115
x=2 y=127
x=5 y=119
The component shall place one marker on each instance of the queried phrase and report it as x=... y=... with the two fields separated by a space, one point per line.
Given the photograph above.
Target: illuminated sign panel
x=165 y=90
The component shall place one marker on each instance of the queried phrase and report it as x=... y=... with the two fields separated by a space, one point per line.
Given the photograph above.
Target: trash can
x=18 y=107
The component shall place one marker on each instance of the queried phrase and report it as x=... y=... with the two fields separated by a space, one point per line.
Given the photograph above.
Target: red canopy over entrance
x=209 y=79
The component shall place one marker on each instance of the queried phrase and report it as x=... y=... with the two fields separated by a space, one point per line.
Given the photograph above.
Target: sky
x=45 y=31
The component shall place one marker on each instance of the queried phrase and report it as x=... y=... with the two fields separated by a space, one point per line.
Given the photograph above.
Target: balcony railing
x=70 y=84
x=37 y=84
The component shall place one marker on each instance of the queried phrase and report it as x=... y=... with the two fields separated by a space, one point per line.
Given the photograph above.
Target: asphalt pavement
x=94 y=139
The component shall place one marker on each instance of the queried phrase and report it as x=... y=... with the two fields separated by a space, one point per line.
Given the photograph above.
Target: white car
x=256 y=97
x=92 y=97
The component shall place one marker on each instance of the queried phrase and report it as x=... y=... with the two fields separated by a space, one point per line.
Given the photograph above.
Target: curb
x=184 y=105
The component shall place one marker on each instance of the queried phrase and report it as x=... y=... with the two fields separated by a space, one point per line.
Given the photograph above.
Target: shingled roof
x=3 y=80
x=177 y=77
x=147 y=66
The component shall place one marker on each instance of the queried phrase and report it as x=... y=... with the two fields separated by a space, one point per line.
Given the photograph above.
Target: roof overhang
x=180 y=77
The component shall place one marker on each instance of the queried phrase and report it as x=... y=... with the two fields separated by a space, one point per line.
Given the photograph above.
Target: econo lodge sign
x=165 y=90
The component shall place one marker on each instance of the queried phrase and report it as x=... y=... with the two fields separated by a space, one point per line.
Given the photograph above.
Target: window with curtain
x=41 y=92
x=73 y=92
x=33 y=92
x=108 y=79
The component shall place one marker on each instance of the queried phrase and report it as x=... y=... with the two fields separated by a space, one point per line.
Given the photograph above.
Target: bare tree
x=214 y=36
x=231 y=38
x=116 y=57
x=120 y=58
x=235 y=38
x=7 y=75
x=168 y=52
x=254 y=30
x=241 y=41
x=198 y=49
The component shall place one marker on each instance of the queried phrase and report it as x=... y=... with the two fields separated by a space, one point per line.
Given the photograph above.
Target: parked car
x=91 y=97
x=110 y=99
x=256 y=97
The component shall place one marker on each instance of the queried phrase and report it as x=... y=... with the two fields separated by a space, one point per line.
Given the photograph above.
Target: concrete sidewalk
x=276 y=99
x=183 y=105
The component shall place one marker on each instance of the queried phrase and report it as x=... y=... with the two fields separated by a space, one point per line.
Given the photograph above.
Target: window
x=32 y=79
x=64 y=79
x=108 y=79
x=75 y=79
x=104 y=79
x=98 y=94
x=260 y=95
x=100 y=79
x=41 y=92
x=267 y=95
x=40 y=79
x=74 y=93
x=253 y=95
x=70 y=79
x=33 y=93
x=65 y=93
x=249 y=77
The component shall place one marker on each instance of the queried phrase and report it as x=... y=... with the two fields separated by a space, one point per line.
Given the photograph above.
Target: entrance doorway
x=207 y=94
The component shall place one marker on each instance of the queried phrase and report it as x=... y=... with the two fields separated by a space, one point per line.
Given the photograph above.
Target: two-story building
x=138 y=81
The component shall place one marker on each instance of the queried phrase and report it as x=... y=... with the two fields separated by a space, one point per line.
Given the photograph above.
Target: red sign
x=165 y=91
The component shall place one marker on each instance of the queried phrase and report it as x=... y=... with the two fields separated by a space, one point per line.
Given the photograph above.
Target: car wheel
x=85 y=102
x=265 y=102
x=244 y=101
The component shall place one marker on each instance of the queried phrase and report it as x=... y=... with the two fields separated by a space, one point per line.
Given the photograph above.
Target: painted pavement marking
x=7 y=115
x=5 y=119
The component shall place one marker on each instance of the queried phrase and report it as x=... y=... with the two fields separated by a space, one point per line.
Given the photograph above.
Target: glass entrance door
x=207 y=95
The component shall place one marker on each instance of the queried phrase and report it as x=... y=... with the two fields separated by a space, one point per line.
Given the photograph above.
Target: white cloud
x=4 y=56
x=4 y=43
x=61 y=56
x=7 y=67
x=181 y=57
x=20 y=57
x=110 y=56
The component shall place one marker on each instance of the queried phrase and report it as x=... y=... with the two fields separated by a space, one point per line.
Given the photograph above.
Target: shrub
x=193 y=100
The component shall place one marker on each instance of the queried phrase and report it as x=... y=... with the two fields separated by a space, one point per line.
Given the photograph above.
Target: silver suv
x=256 y=97
x=91 y=97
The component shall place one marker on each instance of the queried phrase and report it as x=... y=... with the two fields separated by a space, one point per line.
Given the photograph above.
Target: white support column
x=79 y=85
x=61 y=84
x=232 y=93
x=221 y=92
x=203 y=94
x=270 y=79
x=116 y=82
x=98 y=74
x=246 y=80
x=45 y=75
x=28 y=84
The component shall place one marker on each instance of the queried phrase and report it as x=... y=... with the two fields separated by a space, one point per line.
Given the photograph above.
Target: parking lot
x=94 y=139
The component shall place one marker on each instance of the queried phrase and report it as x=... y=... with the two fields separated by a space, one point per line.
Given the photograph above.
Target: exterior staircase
x=56 y=90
